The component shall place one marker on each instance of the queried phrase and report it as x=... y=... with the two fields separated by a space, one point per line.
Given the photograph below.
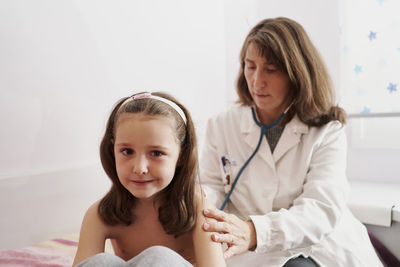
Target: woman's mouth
x=262 y=95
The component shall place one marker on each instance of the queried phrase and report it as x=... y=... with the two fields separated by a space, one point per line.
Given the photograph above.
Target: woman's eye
x=156 y=153
x=127 y=151
x=270 y=70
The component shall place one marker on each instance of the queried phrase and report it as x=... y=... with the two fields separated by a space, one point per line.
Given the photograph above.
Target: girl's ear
x=112 y=140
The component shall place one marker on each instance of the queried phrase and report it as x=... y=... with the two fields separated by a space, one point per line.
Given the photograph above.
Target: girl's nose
x=140 y=165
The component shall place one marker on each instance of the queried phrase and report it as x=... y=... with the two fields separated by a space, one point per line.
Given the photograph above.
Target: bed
x=58 y=252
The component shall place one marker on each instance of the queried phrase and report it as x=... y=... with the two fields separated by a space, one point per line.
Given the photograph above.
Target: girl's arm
x=92 y=235
x=207 y=252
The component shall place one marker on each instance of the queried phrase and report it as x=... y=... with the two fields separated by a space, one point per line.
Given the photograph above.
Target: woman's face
x=268 y=86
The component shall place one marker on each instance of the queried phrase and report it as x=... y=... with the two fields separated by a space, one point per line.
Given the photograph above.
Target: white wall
x=63 y=65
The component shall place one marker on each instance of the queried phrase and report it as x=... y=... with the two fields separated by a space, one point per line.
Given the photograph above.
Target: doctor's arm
x=314 y=213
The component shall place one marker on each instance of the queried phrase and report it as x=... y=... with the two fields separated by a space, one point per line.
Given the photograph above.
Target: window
x=370 y=61
x=370 y=87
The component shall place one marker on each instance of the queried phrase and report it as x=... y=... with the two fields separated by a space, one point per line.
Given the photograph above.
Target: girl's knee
x=158 y=256
x=159 y=250
x=102 y=259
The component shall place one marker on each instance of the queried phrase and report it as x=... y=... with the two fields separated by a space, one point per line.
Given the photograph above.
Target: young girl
x=152 y=213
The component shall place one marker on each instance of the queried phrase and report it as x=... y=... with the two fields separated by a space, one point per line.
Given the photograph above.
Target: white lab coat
x=296 y=197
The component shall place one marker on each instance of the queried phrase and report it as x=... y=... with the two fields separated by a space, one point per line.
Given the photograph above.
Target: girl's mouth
x=142 y=182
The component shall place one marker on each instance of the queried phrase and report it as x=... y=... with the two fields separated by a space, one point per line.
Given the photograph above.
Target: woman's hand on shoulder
x=239 y=235
x=92 y=235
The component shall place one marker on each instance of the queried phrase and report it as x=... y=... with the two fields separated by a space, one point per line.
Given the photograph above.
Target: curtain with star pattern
x=370 y=56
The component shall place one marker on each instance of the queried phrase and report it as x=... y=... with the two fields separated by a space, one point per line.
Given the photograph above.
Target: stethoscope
x=263 y=129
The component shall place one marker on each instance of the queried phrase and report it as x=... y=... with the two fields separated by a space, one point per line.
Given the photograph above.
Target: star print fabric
x=370 y=56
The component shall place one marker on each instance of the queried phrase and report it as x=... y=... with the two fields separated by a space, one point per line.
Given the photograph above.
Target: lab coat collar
x=291 y=136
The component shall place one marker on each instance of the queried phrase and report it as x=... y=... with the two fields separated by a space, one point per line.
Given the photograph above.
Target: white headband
x=162 y=99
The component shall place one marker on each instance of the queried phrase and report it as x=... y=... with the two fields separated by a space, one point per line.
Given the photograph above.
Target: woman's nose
x=140 y=165
x=259 y=80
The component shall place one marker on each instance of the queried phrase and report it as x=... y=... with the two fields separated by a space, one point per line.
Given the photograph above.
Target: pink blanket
x=54 y=253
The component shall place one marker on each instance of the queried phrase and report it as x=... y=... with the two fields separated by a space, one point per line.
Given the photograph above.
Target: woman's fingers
x=220 y=227
x=239 y=235
x=215 y=214
x=235 y=244
x=230 y=252
x=224 y=222
x=224 y=238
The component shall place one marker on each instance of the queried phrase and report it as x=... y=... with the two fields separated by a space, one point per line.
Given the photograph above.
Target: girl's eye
x=270 y=70
x=127 y=151
x=156 y=153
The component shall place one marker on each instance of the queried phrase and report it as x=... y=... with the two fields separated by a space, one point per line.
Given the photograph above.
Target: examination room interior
x=63 y=64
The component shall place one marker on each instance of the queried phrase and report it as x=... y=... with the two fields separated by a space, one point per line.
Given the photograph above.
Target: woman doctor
x=289 y=205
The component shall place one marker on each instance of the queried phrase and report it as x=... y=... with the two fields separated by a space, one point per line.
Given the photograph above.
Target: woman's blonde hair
x=177 y=207
x=285 y=44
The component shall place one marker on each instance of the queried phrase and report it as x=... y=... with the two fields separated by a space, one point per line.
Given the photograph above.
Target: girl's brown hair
x=177 y=208
x=285 y=44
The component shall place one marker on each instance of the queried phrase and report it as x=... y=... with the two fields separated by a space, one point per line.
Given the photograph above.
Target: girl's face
x=146 y=152
x=268 y=86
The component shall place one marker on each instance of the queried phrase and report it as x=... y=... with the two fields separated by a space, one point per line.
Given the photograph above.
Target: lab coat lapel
x=290 y=137
x=251 y=132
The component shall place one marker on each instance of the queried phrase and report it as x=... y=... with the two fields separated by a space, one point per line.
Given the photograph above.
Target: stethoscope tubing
x=263 y=129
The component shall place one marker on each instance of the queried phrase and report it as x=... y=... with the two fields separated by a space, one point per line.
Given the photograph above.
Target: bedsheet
x=58 y=252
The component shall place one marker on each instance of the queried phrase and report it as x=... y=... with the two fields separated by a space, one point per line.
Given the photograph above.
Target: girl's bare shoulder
x=201 y=200
x=93 y=220
x=92 y=236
